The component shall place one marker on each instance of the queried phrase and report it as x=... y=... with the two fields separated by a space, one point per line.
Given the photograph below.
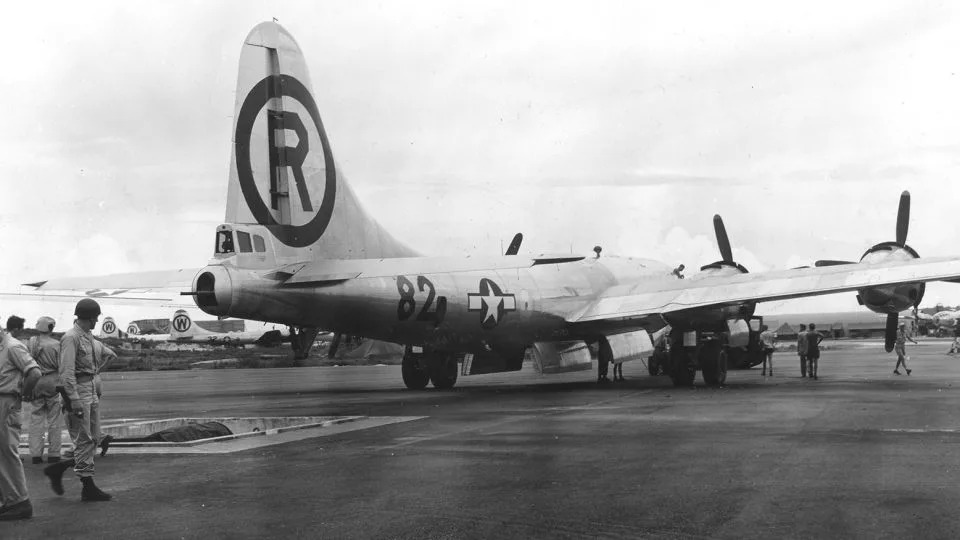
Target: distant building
x=853 y=324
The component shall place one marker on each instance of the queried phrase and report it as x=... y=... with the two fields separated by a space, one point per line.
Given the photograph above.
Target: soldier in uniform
x=802 y=349
x=45 y=410
x=79 y=363
x=18 y=375
x=767 y=338
x=813 y=351
x=901 y=348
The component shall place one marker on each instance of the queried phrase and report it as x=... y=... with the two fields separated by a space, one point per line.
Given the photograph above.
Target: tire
x=415 y=376
x=444 y=375
x=713 y=363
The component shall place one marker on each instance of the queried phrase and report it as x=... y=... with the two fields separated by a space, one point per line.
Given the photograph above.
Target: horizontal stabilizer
x=134 y=281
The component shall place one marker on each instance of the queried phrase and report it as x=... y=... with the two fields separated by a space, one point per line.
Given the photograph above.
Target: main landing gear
x=420 y=368
x=709 y=355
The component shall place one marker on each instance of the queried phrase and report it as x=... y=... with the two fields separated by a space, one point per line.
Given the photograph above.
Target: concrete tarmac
x=860 y=453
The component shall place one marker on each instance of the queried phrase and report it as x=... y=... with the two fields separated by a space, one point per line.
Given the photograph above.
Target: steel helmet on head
x=87 y=308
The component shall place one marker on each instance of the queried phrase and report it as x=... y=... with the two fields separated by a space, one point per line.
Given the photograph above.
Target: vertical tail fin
x=283 y=175
x=181 y=325
x=109 y=328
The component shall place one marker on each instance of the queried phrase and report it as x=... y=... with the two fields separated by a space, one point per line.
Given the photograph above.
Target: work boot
x=105 y=444
x=21 y=510
x=37 y=460
x=908 y=371
x=91 y=493
x=55 y=474
x=895 y=372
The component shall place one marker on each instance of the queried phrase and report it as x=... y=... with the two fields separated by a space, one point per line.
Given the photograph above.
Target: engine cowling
x=714 y=319
x=890 y=299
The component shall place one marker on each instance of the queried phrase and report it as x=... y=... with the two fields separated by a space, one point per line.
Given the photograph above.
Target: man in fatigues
x=15 y=326
x=813 y=351
x=802 y=349
x=18 y=375
x=45 y=410
x=901 y=348
x=78 y=368
x=767 y=338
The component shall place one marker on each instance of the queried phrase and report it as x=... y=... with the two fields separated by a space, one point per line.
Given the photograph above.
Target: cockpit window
x=224 y=242
x=258 y=244
x=243 y=239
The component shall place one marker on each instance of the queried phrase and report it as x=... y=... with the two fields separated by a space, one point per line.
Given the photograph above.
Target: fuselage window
x=224 y=242
x=243 y=239
x=258 y=244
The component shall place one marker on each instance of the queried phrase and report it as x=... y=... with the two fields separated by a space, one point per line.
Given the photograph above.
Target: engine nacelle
x=890 y=298
x=712 y=319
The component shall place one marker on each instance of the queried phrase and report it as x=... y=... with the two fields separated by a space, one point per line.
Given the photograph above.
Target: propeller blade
x=722 y=241
x=891 y=334
x=514 y=244
x=903 y=218
x=831 y=263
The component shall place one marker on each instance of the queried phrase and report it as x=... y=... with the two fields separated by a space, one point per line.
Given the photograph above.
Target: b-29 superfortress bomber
x=298 y=248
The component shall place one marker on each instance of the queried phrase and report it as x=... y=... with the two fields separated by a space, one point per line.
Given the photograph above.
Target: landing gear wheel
x=415 y=375
x=444 y=373
x=713 y=363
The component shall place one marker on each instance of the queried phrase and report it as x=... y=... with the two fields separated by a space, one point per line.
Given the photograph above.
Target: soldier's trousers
x=45 y=420
x=84 y=431
x=13 y=484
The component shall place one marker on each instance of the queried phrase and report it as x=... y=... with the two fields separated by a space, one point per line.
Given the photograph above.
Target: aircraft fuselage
x=456 y=311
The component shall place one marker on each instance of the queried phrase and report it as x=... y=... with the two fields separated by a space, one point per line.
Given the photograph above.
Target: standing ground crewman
x=766 y=339
x=18 y=375
x=802 y=349
x=813 y=351
x=78 y=368
x=45 y=409
x=901 y=348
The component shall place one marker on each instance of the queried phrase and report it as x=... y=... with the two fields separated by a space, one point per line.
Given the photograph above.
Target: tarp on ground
x=371 y=348
x=189 y=432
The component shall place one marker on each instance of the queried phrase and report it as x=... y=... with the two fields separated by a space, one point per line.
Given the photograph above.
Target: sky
x=626 y=125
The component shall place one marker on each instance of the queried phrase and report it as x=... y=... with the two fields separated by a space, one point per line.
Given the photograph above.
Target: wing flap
x=627 y=302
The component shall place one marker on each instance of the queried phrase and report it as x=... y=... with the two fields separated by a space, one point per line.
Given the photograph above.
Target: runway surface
x=860 y=453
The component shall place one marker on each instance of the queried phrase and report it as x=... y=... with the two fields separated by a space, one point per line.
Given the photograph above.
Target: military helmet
x=87 y=308
x=46 y=324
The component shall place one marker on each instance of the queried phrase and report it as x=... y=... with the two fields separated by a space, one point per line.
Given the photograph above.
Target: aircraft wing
x=630 y=301
x=169 y=280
